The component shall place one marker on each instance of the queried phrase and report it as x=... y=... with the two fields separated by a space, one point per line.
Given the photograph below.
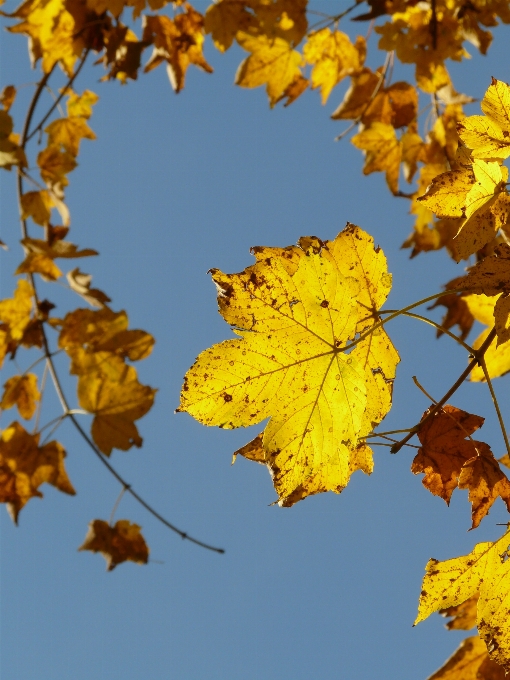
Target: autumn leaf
x=24 y=466
x=293 y=311
x=80 y=105
x=39 y=263
x=67 y=133
x=117 y=544
x=178 y=42
x=116 y=399
x=485 y=481
x=491 y=276
x=21 y=391
x=104 y=331
x=382 y=152
x=10 y=151
x=490 y=182
x=484 y=570
x=445 y=449
x=333 y=57
x=7 y=97
x=55 y=166
x=224 y=19
x=37 y=205
x=446 y=196
x=470 y=662
x=462 y=616
x=488 y=136
x=497 y=356
x=15 y=312
x=272 y=62
x=458 y=312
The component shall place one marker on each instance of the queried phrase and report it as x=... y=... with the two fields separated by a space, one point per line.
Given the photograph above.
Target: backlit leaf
x=383 y=152
x=21 y=391
x=293 y=311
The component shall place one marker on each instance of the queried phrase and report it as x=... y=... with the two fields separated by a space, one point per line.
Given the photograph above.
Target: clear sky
x=173 y=186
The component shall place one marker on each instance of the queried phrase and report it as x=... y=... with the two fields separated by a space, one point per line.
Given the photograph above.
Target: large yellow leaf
x=272 y=62
x=294 y=310
x=333 y=57
x=484 y=137
x=485 y=570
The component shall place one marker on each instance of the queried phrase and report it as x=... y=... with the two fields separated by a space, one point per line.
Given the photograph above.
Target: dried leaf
x=117 y=544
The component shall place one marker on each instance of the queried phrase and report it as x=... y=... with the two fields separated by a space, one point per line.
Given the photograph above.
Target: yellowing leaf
x=24 y=466
x=37 y=205
x=462 y=616
x=470 y=662
x=21 y=391
x=496 y=104
x=54 y=166
x=484 y=137
x=474 y=233
x=104 y=331
x=7 y=97
x=490 y=182
x=382 y=152
x=10 y=152
x=364 y=85
x=116 y=404
x=294 y=310
x=68 y=133
x=39 y=263
x=254 y=450
x=15 y=312
x=446 y=196
x=177 y=42
x=272 y=63
x=491 y=276
x=333 y=57
x=497 y=358
x=224 y=19
x=484 y=570
x=117 y=544
x=81 y=104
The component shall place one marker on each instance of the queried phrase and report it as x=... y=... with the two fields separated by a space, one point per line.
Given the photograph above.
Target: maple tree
x=312 y=351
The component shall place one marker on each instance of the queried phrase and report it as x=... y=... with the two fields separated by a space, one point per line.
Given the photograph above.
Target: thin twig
x=62 y=94
x=495 y=402
x=467 y=347
x=39 y=406
x=116 y=504
x=46 y=349
x=478 y=354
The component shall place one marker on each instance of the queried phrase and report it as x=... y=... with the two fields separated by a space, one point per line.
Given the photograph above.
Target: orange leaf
x=117 y=544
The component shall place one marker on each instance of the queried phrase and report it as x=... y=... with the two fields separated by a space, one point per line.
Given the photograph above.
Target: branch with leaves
x=311 y=351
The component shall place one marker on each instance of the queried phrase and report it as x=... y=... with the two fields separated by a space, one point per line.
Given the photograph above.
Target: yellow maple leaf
x=15 y=312
x=470 y=662
x=224 y=19
x=7 y=97
x=178 y=42
x=333 y=57
x=81 y=104
x=21 y=391
x=118 y=543
x=272 y=62
x=446 y=195
x=68 y=133
x=24 y=466
x=490 y=179
x=497 y=358
x=37 y=205
x=54 y=166
x=294 y=311
x=39 y=263
x=116 y=399
x=383 y=152
x=484 y=570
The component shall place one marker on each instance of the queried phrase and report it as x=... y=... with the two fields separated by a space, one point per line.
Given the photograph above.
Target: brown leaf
x=58 y=248
x=445 y=449
x=24 y=466
x=21 y=391
x=80 y=283
x=463 y=616
x=485 y=481
x=7 y=97
x=117 y=544
x=252 y=451
x=458 y=312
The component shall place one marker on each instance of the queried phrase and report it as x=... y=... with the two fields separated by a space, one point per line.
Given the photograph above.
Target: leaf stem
x=425 y=319
x=495 y=402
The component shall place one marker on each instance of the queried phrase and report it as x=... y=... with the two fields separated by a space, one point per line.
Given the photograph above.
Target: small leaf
x=21 y=391
x=117 y=544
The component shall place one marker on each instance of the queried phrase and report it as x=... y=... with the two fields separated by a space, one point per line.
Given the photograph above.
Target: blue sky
x=173 y=186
